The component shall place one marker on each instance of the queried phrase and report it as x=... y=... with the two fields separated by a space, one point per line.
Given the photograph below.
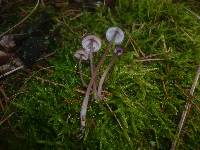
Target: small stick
x=186 y=111
x=193 y=13
x=46 y=56
x=150 y=59
x=12 y=71
x=120 y=125
x=3 y=120
x=50 y=82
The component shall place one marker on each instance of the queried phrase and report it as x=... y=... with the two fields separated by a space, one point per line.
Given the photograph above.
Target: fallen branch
x=3 y=120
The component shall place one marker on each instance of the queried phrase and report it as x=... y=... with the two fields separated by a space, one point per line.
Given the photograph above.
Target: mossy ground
x=147 y=97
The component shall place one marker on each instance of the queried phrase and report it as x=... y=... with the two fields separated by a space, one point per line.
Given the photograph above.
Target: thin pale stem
x=92 y=73
x=103 y=77
x=187 y=109
x=87 y=94
x=81 y=73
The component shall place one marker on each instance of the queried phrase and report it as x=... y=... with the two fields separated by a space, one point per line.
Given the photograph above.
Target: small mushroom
x=81 y=55
x=91 y=44
x=111 y=37
x=115 y=35
x=117 y=52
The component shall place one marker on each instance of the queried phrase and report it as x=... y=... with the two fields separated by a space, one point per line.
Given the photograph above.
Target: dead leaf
x=7 y=41
x=3 y=57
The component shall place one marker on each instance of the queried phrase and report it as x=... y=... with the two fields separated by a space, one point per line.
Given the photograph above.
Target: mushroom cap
x=81 y=54
x=91 y=43
x=119 y=50
x=115 y=34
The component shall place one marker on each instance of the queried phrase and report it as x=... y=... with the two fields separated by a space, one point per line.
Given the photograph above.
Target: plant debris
x=7 y=41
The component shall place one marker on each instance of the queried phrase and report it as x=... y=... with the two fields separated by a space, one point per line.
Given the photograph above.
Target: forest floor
x=144 y=94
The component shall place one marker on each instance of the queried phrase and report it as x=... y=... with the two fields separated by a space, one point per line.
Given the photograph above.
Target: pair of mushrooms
x=91 y=44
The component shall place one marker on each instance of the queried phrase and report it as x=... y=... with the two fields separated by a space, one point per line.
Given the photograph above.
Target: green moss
x=147 y=98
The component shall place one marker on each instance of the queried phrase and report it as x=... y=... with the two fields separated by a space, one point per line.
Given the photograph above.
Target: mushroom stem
x=187 y=109
x=113 y=59
x=81 y=73
x=87 y=94
x=92 y=80
x=92 y=73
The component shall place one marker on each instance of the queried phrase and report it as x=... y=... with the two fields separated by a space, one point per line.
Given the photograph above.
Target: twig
x=46 y=56
x=193 y=13
x=20 y=22
x=12 y=71
x=50 y=82
x=120 y=125
x=150 y=59
x=3 y=120
x=186 y=111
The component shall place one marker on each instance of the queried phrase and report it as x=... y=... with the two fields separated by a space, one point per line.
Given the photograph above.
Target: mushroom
x=91 y=44
x=81 y=55
x=117 y=52
x=115 y=35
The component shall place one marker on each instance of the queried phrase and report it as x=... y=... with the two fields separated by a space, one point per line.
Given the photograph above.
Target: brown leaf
x=7 y=41
x=3 y=57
